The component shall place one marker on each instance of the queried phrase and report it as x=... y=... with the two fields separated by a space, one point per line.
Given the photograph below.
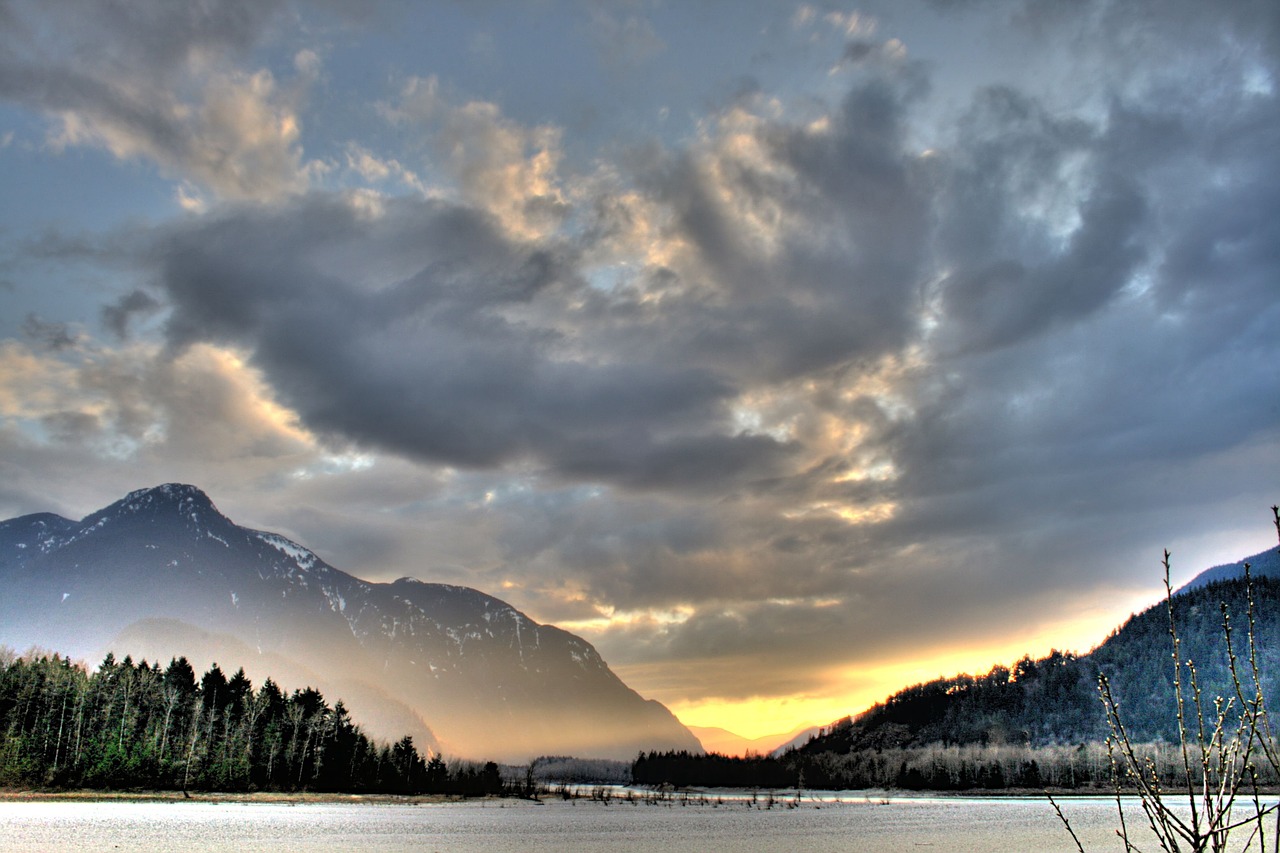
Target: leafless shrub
x=1213 y=790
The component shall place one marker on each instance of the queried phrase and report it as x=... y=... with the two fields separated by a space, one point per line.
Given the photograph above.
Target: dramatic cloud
x=497 y=166
x=449 y=363
x=146 y=80
x=781 y=367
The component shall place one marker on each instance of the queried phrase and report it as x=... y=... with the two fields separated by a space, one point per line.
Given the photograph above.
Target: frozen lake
x=866 y=825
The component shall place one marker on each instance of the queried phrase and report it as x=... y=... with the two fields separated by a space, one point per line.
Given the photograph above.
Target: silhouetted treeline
x=130 y=725
x=1038 y=724
x=563 y=769
x=936 y=767
x=1043 y=702
x=1054 y=700
x=711 y=770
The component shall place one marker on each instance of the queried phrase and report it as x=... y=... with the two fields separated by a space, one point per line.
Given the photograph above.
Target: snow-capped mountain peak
x=171 y=499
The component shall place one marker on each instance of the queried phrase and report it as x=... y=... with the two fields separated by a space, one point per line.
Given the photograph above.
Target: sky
x=788 y=352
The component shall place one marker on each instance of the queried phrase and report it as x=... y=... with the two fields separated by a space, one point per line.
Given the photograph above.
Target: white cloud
x=376 y=170
x=190 y=198
x=161 y=83
x=239 y=138
x=850 y=24
x=307 y=63
x=495 y=164
x=206 y=407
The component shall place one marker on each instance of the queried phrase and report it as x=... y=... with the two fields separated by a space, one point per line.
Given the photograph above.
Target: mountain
x=725 y=742
x=162 y=572
x=1265 y=564
x=1054 y=700
x=800 y=738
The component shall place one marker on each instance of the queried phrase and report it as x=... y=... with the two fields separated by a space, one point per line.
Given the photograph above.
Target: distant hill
x=1054 y=700
x=727 y=743
x=799 y=739
x=162 y=572
x=1265 y=564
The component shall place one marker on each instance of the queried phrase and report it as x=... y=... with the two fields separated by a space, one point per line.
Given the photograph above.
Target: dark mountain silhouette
x=162 y=572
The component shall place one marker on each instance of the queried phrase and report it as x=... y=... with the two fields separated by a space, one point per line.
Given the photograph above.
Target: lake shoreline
x=691 y=796
x=272 y=797
x=780 y=795
x=821 y=822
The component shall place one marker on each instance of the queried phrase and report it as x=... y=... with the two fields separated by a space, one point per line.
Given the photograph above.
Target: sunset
x=787 y=354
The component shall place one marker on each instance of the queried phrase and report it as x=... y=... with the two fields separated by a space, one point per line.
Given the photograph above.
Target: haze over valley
x=161 y=573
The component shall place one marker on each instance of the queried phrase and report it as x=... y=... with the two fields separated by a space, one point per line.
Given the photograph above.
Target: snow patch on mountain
x=304 y=558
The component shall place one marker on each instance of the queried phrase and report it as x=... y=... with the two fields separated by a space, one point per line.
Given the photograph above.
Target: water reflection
x=721 y=821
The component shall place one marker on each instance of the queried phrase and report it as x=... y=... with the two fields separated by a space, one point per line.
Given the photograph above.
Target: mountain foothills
x=727 y=743
x=162 y=573
x=1055 y=700
x=1041 y=722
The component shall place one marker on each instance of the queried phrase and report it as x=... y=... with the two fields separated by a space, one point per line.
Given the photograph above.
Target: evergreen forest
x=131 y=726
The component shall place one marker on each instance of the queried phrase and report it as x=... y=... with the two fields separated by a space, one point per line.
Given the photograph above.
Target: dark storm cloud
x=160 y=35
x=1016 y=179
x=1005 y=300
x=1085 y=370
x=429 y=365
x=846 y=222
x=1101 y=365
x=480 y=350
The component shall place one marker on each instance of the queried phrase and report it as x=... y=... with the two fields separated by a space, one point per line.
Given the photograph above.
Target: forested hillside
x=1054 y=700
x=1041 y=722
x=130 y=725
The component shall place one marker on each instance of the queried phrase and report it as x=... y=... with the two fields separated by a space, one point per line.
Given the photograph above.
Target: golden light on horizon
x=854 y=688
x=759 y=717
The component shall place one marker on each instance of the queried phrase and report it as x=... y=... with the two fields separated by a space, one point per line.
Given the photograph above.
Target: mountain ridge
x=726 y=742
x=1054 y=700
x=1263 y=564
x=486 y=678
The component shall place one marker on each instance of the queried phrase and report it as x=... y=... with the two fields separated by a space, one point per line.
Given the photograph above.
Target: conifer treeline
x=935 y=767
x=1054 y=700
x=130 y=725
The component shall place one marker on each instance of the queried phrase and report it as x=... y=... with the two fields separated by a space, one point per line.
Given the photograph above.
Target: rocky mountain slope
x=161 y=572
